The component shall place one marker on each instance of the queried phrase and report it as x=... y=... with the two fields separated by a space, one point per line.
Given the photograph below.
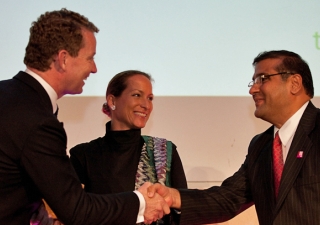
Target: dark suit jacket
x=34 y=164
x=299 y=195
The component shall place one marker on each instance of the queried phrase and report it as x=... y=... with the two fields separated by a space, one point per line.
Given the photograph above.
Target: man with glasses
x=281 y=173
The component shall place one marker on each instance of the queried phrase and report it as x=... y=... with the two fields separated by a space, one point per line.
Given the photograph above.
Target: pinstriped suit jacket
x=299 y=195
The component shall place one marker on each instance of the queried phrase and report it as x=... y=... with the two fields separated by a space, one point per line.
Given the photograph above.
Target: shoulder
x=265 y=136
x=318 y=113
x=26 y=102
x=259 y=144
x=88 y=147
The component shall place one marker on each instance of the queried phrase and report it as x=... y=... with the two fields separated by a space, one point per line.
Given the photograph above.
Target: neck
x=51 y=77
x=285 y=116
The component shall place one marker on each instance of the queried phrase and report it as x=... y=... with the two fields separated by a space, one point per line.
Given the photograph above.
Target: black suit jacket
x=299 y=195
x=34 y=164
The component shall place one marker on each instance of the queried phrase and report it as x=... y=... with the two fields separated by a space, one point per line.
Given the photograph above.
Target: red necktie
x=277 y=162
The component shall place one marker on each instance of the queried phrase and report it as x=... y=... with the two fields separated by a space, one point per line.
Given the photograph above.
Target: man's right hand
x=170 y=195
x=156 y=206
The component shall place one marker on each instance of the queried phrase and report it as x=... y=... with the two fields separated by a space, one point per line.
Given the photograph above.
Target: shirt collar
x=51 y=92
x=290 y=126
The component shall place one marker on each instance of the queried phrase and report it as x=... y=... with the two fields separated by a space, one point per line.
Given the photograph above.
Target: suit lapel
x=268 y=172
x=263 y=176
x=293 y=164
x=36 y=86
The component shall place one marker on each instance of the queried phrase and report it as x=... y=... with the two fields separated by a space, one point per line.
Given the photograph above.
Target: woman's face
x=134 y=106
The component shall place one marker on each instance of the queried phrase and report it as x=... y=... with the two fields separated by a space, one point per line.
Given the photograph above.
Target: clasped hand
x=159 y=199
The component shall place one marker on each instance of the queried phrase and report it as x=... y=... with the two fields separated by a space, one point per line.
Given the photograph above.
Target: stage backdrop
x=212 y=133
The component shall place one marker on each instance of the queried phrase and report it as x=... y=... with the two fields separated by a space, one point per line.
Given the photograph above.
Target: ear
x=111 y=100
x=60 y=60
x=296 y=85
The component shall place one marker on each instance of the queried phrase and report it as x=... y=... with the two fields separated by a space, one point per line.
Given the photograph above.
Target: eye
x=263 y=78
x=150 y=98
x=136 y=95
x=91 y=58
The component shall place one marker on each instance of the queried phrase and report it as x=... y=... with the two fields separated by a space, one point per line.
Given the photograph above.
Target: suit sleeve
x=45 y=161
x=216 y=204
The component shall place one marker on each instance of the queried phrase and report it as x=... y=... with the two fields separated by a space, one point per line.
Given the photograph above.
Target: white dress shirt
x=287 y=131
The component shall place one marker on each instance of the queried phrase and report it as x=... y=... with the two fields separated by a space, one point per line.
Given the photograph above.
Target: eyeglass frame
x=265 y=76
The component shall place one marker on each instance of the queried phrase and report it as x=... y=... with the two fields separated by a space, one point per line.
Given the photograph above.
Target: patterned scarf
x=152 y=166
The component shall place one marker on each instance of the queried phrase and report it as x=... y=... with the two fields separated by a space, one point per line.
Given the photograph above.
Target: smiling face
x=272 y=97
x=79 y=68
x=134 y=106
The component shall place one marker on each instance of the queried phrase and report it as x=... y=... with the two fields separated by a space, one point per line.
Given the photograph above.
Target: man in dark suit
x=33 y=159
x=281 y=88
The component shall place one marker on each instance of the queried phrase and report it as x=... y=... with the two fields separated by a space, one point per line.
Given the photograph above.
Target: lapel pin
x=300 y=154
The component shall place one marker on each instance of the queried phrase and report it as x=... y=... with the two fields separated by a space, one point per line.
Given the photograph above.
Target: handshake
x=159 y=199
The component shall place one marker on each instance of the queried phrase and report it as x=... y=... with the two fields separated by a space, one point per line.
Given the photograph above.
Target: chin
x=140 y=126
x=75 y=92
x=257 y=113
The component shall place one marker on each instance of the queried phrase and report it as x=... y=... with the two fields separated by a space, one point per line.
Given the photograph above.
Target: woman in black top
x=123 y=159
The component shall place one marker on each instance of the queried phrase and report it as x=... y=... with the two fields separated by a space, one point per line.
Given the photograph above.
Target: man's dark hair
x=291 y=62
x=52 y=32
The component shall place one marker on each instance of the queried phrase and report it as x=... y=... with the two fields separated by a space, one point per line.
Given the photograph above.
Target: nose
x=94 y=67
x=254 y=89
x=147 y=104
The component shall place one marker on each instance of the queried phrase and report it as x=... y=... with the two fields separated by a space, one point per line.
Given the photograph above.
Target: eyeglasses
x=260 y=79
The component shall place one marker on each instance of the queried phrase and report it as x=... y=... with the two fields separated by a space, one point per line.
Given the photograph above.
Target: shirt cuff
x=140 y=217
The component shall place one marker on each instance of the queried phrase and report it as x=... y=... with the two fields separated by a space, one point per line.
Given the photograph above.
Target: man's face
x=79 y=68
x=272 y=96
